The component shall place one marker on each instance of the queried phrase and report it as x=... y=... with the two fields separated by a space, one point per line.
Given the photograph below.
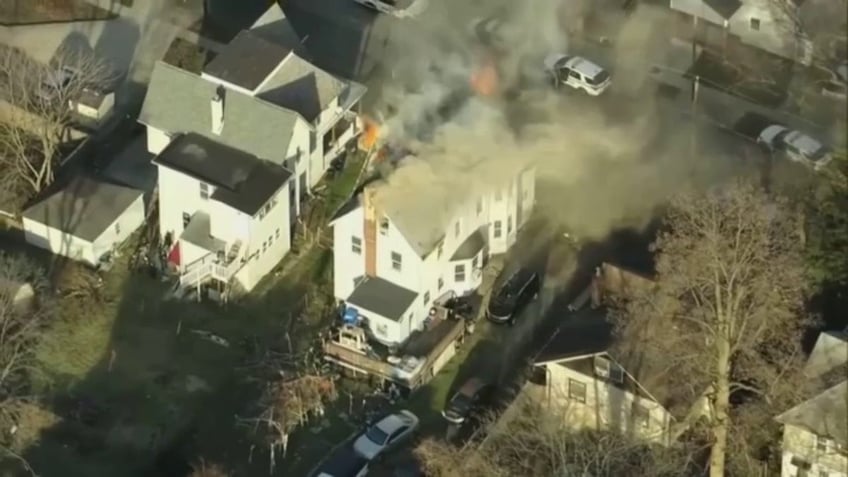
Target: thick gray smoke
x=595 y=171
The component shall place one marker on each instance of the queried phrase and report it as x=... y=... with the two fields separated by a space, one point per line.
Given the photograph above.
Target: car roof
x=583 y=66
x=804 y=143
x=344 y=462
x=391 y=423
x=471 y=386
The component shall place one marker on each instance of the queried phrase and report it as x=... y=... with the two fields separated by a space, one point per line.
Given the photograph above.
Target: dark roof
x=84 y=208
x=382 y=297
x=303 y=87
x=247 y=60
x=725 y=8
x=577 y=338
x=471 y=246
x=241 y=180
x=178 y=101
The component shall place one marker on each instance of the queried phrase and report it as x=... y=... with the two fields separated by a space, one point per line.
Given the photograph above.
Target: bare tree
x=289 y=403
x=529 y=440
x=36 y=114
x=26 y=306
x=818 y=26
x=726 y=311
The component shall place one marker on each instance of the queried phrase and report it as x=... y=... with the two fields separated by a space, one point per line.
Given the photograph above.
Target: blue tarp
x=350 y=316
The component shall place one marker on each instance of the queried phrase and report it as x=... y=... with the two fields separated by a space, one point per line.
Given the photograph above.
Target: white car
x=796 y=145
x=578 y=73
x=397 y=8
x=384 y=434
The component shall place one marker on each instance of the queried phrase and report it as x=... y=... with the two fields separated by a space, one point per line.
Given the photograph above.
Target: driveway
x=132 y=43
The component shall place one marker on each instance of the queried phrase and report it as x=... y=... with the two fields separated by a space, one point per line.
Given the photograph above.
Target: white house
x=84 y=220
x=815 y=432
x=391 y=263
x=260 y=98
x=765 y=24
x=226 y=216
x=93 y=104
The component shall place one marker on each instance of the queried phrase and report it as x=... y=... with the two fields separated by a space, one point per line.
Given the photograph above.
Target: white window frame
x=204 y=191
x=498 y=229
x=356 y=244
x=573 y=386
x=397 y=261
x=459 y=273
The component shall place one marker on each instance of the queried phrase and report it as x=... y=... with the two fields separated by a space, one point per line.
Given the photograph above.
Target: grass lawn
x=133 y=390
x=22 y=12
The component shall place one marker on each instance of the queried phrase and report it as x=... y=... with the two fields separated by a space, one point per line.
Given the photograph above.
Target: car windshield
x=376 y=435
x=460 y=403
x=598 y=78
x=818 y=154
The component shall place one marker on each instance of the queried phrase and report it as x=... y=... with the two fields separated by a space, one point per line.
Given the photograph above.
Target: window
x=577 y=390
x=497 y=229
x=384 y=226
x=277 y=233
x=396 y=261
x=426 y=298
x=270 y=240
x=204 y=190
x=441 y=283
x=575 y=75
x=604 y=368
x=264 y=246
x=509 y=224
x=479 y=205
x=186 y=219
x=117 y=229
x=640 y=415
x=755 y=24
x=356 y=245
x=382 y=330
x=459 y=274
x=822 y=443
x=456 y=228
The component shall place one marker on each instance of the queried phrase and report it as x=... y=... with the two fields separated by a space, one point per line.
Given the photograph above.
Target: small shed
x=85 y=219
x=93 y=104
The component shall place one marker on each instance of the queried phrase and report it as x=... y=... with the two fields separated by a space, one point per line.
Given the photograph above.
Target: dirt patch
x=187 y=56
x=27 y=12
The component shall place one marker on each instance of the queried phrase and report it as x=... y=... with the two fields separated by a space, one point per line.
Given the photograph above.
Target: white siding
x=347 y=265
x=227 y=223
x=269 y=242
x=58 y=242
x=157 y=140
x=606 y=406
x=119 y=230
x=178 y=194
x=800 y=443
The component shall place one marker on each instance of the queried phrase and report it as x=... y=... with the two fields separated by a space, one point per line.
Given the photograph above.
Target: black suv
x=509 y=300
x=470 y=397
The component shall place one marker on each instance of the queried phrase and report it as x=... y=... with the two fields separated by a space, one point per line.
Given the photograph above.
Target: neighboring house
x=259 y=97
x=84 y=220
x=579 y=375
x=392 y=263
x=93 y=105
x=815 y=432
x=227 y=211
x=764 y=24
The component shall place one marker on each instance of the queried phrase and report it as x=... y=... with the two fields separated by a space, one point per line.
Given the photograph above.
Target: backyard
x=136 y=383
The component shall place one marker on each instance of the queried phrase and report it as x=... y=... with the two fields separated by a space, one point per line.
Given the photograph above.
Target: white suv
x=798 y=146
x=578 y=73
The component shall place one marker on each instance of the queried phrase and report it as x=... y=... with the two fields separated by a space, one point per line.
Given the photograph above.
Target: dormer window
x=604 y=368
x=384 y=226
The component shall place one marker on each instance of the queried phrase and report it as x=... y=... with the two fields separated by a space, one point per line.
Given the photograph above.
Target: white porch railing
x=209 y=266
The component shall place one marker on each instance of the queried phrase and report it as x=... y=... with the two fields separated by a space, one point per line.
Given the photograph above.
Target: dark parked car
x=344 y=463
x=509 y=300
x=473 y=395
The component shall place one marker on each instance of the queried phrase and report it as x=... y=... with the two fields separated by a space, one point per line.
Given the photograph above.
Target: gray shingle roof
x=725 y=8
x=84 y=208
x=274 y=26
x=179 y=102
x=247 y=60
x=382 y=297
x=471 y=246
x=825 y=414
x=301 y=86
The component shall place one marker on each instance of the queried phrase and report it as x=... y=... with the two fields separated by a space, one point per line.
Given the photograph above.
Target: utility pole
x=696 y=83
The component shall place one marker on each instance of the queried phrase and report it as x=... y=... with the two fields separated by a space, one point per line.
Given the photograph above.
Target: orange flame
x=370 y=134
x=484 y=80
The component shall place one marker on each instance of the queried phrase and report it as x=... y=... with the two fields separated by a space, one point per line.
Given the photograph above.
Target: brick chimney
x=369 y=232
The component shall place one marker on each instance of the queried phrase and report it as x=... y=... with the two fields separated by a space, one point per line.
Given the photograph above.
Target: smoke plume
x=601 y=163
